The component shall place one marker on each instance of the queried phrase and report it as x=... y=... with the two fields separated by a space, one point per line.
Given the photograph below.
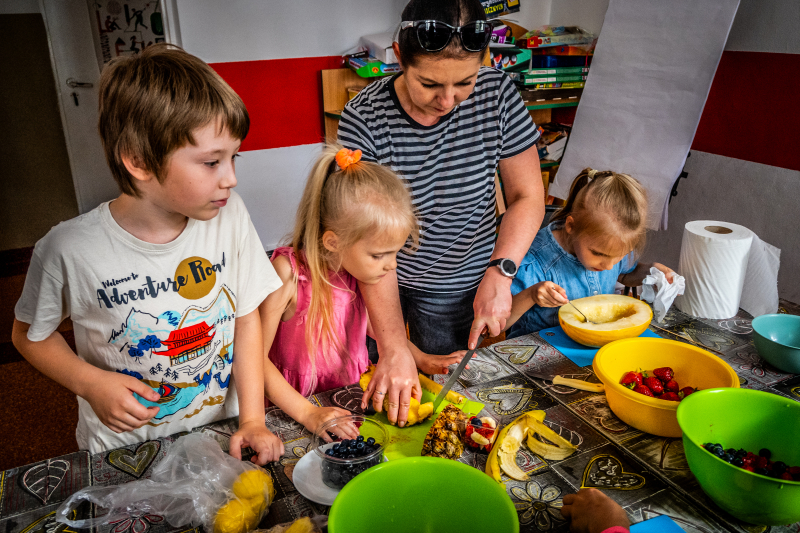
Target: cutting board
x=407 y=442
x=577 y=353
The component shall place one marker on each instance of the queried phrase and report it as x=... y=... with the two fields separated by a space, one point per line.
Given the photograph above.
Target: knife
x=454 y=375
x=574 y=383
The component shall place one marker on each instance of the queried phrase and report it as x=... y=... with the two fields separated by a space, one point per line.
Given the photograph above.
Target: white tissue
x=658 y=291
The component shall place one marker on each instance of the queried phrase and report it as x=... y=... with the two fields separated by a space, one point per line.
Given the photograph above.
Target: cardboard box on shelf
x=379 y=46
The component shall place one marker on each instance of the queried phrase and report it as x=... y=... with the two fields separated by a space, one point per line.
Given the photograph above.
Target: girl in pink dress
x=353 y=219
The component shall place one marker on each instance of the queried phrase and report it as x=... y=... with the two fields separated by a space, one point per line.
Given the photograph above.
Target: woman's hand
x=591 y=511
x=548 y=294
x=395 y=380
x=254 y=434
x=492 y=306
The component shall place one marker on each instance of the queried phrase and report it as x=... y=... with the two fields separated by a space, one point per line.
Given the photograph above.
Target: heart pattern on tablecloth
x=134 y=463
x=518 y=355
x=349 y=398
x=507 y=399
x=606 y=472
x=43 y=479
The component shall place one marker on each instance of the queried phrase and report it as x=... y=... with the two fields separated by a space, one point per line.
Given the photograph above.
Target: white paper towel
x=727 y=266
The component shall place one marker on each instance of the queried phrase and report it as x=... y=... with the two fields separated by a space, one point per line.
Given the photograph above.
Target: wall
x=36 y=190
x=272 y=57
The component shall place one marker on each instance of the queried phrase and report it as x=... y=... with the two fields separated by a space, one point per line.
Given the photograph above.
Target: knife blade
x=454 y=376
x=574 y=383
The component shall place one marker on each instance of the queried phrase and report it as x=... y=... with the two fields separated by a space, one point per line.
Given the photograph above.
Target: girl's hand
x=319 y=415
x=668 y=272
x=548 y=294
x=437 y=364
x=591 y=511
x=113 y=402
x=267 y=445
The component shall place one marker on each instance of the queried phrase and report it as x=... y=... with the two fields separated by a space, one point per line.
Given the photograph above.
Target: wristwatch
x=507 y=267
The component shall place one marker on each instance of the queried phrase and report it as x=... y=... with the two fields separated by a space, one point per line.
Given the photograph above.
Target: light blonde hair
x=608 y=206
x=150 y=103
x=362 y=200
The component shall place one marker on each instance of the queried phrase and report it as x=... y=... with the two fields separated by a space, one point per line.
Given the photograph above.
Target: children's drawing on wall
x=125 y=28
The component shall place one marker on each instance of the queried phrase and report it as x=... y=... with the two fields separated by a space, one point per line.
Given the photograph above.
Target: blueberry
x=727 y=457
x=346 y=443
x=779 y=467
x=762 y=471
x=360 y=438
x=329 y=452
x=737 y=461
x=370 y=441
x=730 y=451
x=719 y=452
x=764 y=452
x=360 y=445
x=336 y=445
x=476 y=422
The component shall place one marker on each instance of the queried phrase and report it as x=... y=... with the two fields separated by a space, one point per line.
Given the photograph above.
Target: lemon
x=236 y=516
x=254 y=484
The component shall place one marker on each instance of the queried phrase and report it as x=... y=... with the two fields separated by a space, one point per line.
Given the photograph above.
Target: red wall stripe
x=283 y=97
x=753 y=111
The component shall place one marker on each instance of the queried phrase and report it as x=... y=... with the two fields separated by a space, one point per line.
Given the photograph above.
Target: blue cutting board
x=659 y=524
x=577 y=353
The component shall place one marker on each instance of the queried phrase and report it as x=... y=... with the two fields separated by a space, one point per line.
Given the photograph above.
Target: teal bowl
x=421 y=494
x=749 y=419
x=777 y=339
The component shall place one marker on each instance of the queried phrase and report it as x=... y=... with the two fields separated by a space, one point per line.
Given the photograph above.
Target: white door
x=77 y=71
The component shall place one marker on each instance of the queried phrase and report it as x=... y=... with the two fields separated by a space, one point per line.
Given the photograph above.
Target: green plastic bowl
x=777 y=339
x=749 y=419
x=423 y=494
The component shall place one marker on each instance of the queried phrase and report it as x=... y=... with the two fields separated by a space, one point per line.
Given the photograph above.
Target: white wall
x=588 y=14
x=16 y=7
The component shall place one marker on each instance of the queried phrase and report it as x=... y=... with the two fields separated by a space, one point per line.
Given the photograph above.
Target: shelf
x=337 y=114
x=548 y=164
x=549 y=104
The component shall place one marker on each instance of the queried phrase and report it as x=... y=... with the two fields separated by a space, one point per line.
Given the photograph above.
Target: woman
x=446 y=124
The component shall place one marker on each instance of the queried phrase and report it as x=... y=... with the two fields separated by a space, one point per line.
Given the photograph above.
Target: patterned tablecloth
x=654 y=470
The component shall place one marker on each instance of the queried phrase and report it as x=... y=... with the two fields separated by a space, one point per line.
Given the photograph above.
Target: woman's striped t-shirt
x=450 y=168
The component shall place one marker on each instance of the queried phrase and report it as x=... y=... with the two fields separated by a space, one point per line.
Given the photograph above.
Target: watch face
x=508 y=267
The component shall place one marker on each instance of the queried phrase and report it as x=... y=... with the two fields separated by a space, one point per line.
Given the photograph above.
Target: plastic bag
x=196 y=483
x=661 y=293
x=301 y=525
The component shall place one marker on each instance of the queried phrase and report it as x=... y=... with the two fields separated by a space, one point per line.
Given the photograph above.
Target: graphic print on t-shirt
x=182 y=354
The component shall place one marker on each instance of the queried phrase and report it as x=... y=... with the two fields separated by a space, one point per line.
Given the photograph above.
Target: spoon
x=581 y=312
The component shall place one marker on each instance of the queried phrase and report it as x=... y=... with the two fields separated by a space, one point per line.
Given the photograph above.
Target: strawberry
x=643 y=389
x=686 y=391
x=654 y=384
x=481 y=433
x=794 y=470
x=787 y=476
x=762 y=462
x=631 y=379
x=671 y=396
x=671 y=386
x=664 y=373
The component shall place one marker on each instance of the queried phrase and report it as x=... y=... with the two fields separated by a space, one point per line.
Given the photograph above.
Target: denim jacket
x=546 y=260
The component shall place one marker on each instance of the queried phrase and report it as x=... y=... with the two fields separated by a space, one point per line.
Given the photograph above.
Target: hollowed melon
x=615 y=316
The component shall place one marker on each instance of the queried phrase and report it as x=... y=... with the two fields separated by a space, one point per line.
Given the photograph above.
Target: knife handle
x=578 y=384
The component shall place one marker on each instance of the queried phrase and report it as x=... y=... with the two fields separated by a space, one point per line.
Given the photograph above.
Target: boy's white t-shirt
x=163 y=313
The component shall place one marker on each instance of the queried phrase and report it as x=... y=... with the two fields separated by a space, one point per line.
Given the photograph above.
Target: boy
x=160 y=281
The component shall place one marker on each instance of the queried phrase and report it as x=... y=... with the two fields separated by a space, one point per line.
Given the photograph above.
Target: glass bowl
x=337 y=472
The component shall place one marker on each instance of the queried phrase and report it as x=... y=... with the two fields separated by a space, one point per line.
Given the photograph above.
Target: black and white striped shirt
x=450 y=167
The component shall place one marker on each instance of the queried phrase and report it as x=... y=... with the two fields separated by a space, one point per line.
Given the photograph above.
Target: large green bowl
x=777 y=339
x=743 y=418
x=423 y=494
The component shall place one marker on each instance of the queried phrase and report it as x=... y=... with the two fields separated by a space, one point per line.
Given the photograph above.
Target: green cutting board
x=407 y=442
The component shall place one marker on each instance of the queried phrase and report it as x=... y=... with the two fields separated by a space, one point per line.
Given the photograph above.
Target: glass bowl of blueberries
x=344 y=459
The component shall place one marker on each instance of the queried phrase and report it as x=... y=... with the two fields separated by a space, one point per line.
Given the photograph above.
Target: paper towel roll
x=714 y=260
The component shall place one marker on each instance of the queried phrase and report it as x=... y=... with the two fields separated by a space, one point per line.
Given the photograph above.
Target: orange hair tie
x=345 y=157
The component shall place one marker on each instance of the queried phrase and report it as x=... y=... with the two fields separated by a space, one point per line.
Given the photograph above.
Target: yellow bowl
x=617 y=317
x=693 y=367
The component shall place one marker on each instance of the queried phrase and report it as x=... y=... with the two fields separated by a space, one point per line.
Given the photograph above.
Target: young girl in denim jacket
x=589 y=245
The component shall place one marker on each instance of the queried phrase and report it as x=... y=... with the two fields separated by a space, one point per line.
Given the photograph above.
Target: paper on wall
x=650 y=76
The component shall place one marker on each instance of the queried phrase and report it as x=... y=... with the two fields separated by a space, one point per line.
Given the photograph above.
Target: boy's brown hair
x=150 y=104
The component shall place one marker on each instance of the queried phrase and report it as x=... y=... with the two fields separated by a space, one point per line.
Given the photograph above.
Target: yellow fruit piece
x=236 y=516
x=416 y=412
x=615 y=316
x=431 y=386
x=560 y=449
x=301 y=525
x=493 y=464
x=254 y=484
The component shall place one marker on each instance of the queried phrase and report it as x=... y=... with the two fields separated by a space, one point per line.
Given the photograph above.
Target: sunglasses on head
x=434 y=35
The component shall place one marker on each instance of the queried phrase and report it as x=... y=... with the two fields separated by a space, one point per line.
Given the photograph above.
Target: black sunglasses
x=434 y=35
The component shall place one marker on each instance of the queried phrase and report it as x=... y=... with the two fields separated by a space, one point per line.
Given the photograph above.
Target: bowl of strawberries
x=646 y=379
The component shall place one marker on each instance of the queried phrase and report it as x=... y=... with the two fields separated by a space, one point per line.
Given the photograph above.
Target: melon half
x=615 y=317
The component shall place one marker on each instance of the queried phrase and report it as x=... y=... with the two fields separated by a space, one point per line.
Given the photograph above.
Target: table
x=29 y=495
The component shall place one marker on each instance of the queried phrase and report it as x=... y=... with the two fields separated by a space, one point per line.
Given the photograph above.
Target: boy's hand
x=113 y=402
x=668 y=272
x=255 y=434
x=548 y=294
x=316 y=416
x=438 y=364
x=591 y=511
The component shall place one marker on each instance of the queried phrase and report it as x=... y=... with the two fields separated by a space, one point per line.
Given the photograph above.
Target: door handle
x=73 y=83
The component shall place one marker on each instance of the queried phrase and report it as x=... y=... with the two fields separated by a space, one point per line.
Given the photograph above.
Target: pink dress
x=288 y=351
